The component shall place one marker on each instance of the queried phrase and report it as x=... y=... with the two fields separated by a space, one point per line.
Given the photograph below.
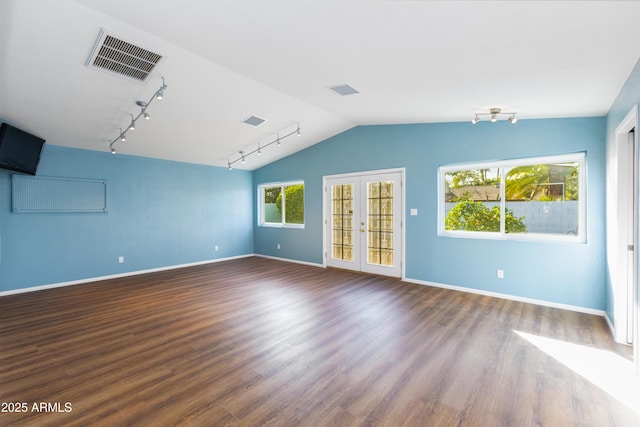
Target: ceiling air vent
x=254 y=121
x=344 y=90
x=117 y=56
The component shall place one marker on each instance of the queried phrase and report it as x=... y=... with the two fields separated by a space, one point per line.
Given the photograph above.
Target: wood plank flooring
x=256 y=342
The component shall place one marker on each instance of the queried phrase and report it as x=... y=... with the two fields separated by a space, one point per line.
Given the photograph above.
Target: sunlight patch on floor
x=607 y=370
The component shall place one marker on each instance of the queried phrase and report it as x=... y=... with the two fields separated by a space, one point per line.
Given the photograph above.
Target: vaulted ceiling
x=226 y=60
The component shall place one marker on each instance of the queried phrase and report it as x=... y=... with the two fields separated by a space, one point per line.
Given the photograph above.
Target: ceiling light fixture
x=143 y=112
x=244 y=154
x=494 y=114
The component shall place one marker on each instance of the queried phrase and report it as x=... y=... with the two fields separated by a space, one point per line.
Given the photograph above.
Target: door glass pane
x=342 y=222
x=380 y=223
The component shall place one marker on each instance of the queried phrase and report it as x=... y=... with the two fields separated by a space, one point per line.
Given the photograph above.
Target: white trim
x=117 y=276
x=612 y=328
x=617 y=219
x=629 y=122
x=403 y=184
x=509 y=297
x=294 y=261
x=312 y=264
x=503 y=166
x=260 y=210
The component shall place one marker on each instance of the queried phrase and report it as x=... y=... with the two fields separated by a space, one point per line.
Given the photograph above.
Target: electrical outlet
x=120 y=259
x=278 y=246
x=500 y=274
x=215 y=248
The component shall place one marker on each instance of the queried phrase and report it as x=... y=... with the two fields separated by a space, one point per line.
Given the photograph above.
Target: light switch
x=414 y=211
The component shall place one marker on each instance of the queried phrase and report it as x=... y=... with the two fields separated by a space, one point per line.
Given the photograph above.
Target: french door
x=363 y=222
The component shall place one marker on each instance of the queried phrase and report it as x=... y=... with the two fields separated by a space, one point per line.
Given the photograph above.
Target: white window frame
x=504 y=166
x=261 y=209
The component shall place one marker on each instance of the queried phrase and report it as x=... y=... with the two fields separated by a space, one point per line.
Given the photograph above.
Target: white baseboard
x=312 y=264
x=116 y=276
x=406 y=279
x=510 y=297
x=611 y=327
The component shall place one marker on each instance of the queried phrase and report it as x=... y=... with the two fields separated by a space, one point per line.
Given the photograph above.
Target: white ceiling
x=412 y=61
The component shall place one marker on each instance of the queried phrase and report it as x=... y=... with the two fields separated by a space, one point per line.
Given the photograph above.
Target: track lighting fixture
x=493 y=114
x=143 y=112
x=244 y=154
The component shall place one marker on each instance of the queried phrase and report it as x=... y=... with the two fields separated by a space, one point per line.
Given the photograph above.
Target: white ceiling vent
x=344 y=90
x=254 y=121
x=117 y=56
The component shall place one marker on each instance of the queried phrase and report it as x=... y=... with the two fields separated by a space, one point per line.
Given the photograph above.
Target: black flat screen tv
x=19 y=150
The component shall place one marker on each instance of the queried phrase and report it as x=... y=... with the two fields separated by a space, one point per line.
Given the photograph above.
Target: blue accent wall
x=628 y=97
x=160 y=214
x=565 y=273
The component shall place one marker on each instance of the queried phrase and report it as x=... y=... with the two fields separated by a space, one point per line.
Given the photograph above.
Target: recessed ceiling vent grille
x=254 y=121
x=120 y=57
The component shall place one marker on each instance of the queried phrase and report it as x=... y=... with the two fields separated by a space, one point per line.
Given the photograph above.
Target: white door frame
x=325 y=221
x=625 y=298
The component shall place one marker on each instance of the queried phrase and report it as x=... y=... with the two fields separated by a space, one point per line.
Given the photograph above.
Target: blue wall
x=565 y=273
x=161 y=214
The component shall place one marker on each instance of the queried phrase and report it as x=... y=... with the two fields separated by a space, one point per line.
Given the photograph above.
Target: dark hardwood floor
x=255 y=342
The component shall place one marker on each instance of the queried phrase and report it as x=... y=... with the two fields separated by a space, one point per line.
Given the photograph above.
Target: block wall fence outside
x=541 y=217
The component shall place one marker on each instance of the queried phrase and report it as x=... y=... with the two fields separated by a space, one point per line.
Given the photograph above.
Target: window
x=540 y=198
x=281 y=204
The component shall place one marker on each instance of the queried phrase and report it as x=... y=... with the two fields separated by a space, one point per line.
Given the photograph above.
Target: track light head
x=242 y=155
x=143 y=112
x=494 y=114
